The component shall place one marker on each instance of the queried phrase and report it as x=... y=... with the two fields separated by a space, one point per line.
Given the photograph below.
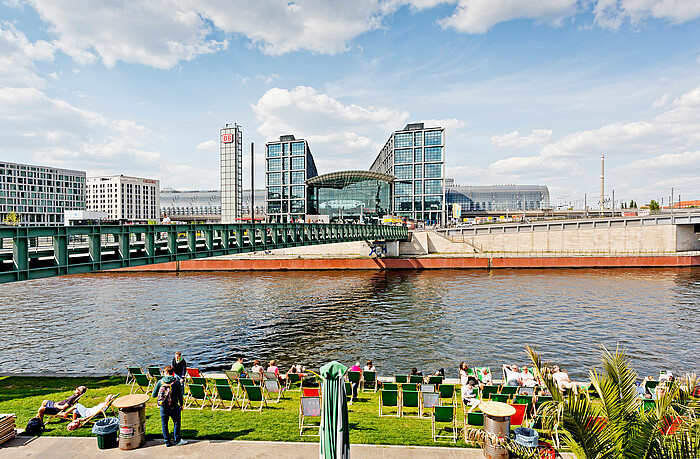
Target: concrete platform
x=70 y=447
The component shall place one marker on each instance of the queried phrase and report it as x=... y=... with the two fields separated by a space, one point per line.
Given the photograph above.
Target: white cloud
x=613 y=13
x=678 y=161
x=208 y=145
x=17 y=57
x=661 y=101
x=515 y=140
x=478 y=16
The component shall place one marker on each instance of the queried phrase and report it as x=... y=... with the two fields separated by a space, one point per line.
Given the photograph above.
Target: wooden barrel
x=497 y=426
x=132 y=427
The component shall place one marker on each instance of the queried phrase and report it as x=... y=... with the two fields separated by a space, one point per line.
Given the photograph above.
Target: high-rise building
x=288 y=165
x=231 y=166
x=39 y=195
x=415 y=155
x=124 y=198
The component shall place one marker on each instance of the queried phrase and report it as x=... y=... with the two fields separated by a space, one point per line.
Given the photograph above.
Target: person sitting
x=467 y=381
x=415 y=372
x=355 y=384
x=273 y=368
x=511 y=375
x=663 y=387
x=468 y=395
x=238 y=366
x=369 y=366
x=257 y=368
x=561 y=378
x=527 y=379
x=50 y=407
x=485 y=375
x=81 y=413
x=440 y=372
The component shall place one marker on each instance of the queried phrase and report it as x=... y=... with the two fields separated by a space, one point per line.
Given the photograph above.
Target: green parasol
x=335 y=435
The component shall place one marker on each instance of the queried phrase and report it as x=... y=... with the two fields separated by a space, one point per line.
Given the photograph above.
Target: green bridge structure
x=46 y=251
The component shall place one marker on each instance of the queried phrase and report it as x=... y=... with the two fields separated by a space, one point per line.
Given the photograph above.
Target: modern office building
x=231 y=167
x=123 y=197
x=288 y=165
x=205 y=205
x=503 y=199
x=350 y=195
x=39 y=195
x=415 y=155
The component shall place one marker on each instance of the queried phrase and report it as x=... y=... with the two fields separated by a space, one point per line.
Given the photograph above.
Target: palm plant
x=615 y=426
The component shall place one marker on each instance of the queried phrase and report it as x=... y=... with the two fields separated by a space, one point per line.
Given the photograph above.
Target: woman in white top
x=527 y=379
x=369 y=366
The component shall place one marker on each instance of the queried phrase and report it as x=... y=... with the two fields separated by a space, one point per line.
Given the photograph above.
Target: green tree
x=12 y=219
x=633 y=204
x=654 y=205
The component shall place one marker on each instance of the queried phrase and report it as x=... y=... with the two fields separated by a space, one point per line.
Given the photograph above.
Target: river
x=431 y=319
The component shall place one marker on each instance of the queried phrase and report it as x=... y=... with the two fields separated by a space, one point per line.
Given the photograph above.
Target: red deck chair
x=519 y=416
x=670 y=425
x=194 y=373
x=311 y=392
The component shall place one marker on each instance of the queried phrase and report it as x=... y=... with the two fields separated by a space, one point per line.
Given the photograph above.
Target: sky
x=529 y=91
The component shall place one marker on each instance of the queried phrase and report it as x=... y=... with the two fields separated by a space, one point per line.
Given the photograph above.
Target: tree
x=12 y=219
x=654 y=205
x=633 y=204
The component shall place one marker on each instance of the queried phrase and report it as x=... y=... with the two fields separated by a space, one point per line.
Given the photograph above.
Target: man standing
x=168 y=392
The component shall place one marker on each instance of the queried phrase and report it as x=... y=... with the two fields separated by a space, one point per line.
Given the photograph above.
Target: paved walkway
x=70 y=447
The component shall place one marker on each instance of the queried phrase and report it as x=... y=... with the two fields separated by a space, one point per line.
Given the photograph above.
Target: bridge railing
x=35 y=252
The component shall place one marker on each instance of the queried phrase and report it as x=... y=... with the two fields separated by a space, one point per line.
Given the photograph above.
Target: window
x=285 y=178
x=274 y=179
x=298 y=162
x=433 y=138
x=285 y=192
x=433 y=186
x=418 y=187
x=433 y=203
x=418 y=139
x=285 y=164
x=285 y=149
x=433 y=154
x=433 y=171
x=274 y=151
x=274 y=164
x=403 y=172
x=418 y=155
x=403 y=156
x=403 y=140
x=274 y=207
x=297 y=177
x=418 y=171
x=403 y=188
x=403 y=204
x=297 y=207
x=418 y=203
x=298 y=148
x=297 y=192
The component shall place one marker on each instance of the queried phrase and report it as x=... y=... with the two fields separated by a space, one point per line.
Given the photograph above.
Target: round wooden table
x=497 y=409
x=130 y=400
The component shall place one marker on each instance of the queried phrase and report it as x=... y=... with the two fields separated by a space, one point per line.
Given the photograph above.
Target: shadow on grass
x=354 y=426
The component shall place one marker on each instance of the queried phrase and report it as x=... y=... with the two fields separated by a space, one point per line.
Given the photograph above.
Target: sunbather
x=369 y=366
x=511 y=375
x=257 y=368
x=527 y=379
x=82 y=414
x=50 y=407
x=273 y=368
x=561 y=378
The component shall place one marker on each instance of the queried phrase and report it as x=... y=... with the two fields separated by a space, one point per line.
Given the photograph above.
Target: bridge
x=37 y=252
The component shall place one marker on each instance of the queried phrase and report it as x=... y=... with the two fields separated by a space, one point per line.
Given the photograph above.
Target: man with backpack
x=168 y=392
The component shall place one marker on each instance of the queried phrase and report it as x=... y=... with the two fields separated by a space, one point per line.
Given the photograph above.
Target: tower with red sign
x=231 y=166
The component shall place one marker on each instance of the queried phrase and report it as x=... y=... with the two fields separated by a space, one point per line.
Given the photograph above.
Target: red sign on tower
x=226 y=138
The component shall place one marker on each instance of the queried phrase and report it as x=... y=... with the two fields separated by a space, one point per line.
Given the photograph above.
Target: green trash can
x=107 y=431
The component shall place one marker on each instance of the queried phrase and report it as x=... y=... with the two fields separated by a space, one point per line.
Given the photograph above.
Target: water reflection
x=427 y=319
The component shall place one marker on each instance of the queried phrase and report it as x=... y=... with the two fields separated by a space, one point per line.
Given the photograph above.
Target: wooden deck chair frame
x=487 y=391
x=393 y=396
x=66 y=413
x=91 y=419
x=154 y=371
x=195 y=397
x=440 y=414
x=415 y=379
x=247 y=400
x=311 y=391
x=130 y=370
x=276 y=387
x=428 y=400
x=410 y=396
x=372 y=380
x=221 y=396
x=234 y=378
x=293 y=378
x=445 y=389
x=257 y=378
x=140 y=381
x=519 y=417
x=307 y=409
x=201 y=381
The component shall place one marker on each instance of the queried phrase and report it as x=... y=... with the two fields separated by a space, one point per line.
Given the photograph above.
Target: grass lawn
x=278 y=422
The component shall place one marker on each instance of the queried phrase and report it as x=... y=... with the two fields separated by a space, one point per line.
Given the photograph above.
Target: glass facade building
x=288 y=165
x=39 y=195
x=348 y=195
x=231 y=165
x=415 y=155
x=498 y=198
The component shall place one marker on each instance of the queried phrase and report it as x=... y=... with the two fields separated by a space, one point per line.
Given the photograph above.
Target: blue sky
x=530 y=91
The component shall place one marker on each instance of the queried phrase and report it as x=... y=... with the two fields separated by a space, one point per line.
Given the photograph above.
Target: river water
x=401 y=319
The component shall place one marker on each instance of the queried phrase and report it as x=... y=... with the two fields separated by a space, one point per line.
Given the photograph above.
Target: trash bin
x=526 y=437
x=107 y=431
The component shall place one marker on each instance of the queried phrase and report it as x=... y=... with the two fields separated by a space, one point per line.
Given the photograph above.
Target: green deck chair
x=390 y=386
x=409 y=386
x=354 y=376
x=650 y=386
x=509 y=390
x=246 y=382
x=154 y=371
x=428 y=401
x=480 y=371
x=273 y=387
x=348 y=392
x=294 y=379
x=444 y=415
x=475 y=418
x=503 y=398
x=415 y=379
x=197 y=396
x=410 y=399
x=389 y=399
x=223 y=394
x=131 y=371
x=542 y=399
x=369 y=378
x=253 y=394
x=648 y=405
x=309 y=407
x=447 y=391
x=200 y=381
x=435 y=379
x=141 y=383
x=487 y=391
x=400 y=379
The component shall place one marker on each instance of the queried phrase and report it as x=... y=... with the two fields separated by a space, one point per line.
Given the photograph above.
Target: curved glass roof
x=342 y=179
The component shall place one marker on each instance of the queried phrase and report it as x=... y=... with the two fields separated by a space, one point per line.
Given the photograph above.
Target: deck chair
x=354 y=376
x=435 y=379
x=542 y=399
x=481 y=372
x=197 y=396
x=314 y=392
x=474 y=418
x=400 y=379
x=447 y=391
x=650 y=386
x=194 y=372
x=234 y=378
x=409 y=386
x=200 y=381
x=272 y=386
x=524 y=390
x=141 y=383
x=253 y=394
x=415 y=379
x=348 y=392
x=223 y=393
x=292 y=379
x=503 y=398
x=88 y=417
x=524 y=400
x=270 y=375
x=389 y=399
x=369 y=377
x=131 y=371
x=519 y=416
x=309 y=407
x=410 y=399
x=154 y=373
x=427 y=388
x=647 y=405
x=486 y=392
x=509 y=390
x=256 y=377
x=390 y=386
x=246 y=382
x=444 y=415
x=428 y=400
x=66 y=413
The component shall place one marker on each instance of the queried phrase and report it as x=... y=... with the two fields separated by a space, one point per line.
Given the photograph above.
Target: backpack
x=165 y=394
x=34 y=427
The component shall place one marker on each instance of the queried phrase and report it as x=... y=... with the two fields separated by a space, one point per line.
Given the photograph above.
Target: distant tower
x=602 y=182
x=231 y=167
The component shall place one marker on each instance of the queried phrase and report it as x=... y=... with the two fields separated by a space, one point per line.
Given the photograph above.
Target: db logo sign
x=226 y=138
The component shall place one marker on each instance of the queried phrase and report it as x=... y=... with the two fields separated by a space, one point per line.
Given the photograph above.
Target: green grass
x=278 y=422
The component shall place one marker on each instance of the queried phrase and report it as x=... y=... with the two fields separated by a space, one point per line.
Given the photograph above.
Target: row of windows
x=417 y=155
x=276 y=150
x=416 y=139
x=293 y=192
x=411 y=171
x=294 y=207
x=285 y=178
x=280 y=164
x=418 y=187
x=409 y=204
